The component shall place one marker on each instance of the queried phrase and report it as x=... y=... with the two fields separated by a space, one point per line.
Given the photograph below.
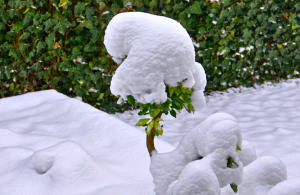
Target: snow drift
x=52 y=145
x=198 y=164
x=153 y=51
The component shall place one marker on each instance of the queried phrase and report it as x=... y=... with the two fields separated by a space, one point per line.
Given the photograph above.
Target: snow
x=51 y=144
x=268 y=117
x=287 y=187
x=189 y=181
x=154 y=51
x=213 y=141
x=260 y=176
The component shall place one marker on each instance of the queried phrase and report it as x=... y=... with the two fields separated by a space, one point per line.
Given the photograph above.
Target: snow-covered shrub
x=154 y=51
x=207 y=159
x=265 y=175
x=157 y=69
x=158 y=73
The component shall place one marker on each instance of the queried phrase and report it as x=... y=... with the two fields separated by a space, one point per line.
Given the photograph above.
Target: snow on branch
x=153 y=51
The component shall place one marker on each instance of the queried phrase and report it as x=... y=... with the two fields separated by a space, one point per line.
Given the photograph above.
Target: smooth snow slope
x=268 y=115
x=54 y=145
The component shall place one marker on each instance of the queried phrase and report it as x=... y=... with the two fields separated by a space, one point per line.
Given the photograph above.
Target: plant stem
x=150 y=137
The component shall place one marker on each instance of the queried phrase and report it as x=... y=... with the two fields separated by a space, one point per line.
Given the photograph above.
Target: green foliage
x=179 y=97
x=56 y=44
x=59 y=43
x=232 y=164
x=234 y=187
x=239 y=42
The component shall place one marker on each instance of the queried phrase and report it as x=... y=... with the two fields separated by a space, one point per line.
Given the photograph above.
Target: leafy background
x=58 y=44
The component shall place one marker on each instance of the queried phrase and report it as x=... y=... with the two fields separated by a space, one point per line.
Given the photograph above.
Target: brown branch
x=150 y=137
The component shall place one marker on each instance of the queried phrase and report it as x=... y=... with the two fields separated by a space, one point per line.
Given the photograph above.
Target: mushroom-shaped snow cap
x=153 y=51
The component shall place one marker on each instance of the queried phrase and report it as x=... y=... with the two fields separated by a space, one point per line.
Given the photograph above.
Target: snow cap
x=153 y=51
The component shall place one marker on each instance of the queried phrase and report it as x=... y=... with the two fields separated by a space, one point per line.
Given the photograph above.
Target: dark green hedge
x=59 y=43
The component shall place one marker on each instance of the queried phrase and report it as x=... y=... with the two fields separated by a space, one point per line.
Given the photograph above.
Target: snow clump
x=153 y=51
x=266 y=175
x=260 y=176
x=199 y=164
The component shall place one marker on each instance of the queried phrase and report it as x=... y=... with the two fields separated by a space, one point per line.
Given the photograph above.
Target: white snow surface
x=269 y=119
x=153 y=51
x=51 y=144
x=268 y=116
x=54 y=145
x=199 y=163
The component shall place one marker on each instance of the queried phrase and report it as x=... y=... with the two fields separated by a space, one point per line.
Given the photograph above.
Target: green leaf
x=159 y=130
x=24 y=36
x=190 y=108
x=17 y=27
x=229 y=162
x=26 y=10
x=40 y=46
x=173 y=113
x=79 y=8
x=11 y=87
x=63 y=3
x=171 y=91
x=130 y=100
x=234 y=187
x=195 y=8
x=143 y=122
x=88 y=24
x=154 y=112
x=165 y=107
x=149 y=127
x=50 y=41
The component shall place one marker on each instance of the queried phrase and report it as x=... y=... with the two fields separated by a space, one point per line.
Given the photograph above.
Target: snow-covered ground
x=52 y=144
x=268 y=115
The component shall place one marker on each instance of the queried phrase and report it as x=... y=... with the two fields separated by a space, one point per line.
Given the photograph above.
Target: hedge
x=58 y=44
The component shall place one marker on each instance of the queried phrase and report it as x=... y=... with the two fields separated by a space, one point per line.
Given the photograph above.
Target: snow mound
x=54 y=145
x=287 y=187
x=196 y=178
x=66 y=167
x=248 y=154
x=153 y=51
x=262 y=176
x=65 y=163
x=199 y=163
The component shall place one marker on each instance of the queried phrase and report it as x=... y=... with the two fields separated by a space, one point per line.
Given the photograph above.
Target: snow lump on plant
x=153 y=51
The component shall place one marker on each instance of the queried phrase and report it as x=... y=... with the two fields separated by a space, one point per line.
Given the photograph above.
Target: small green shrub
x=178 y=97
